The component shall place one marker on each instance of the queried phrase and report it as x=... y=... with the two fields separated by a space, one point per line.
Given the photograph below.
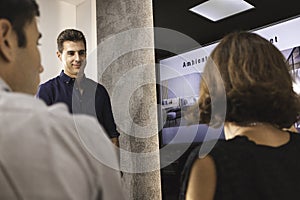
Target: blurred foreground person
x=258 y=160
x=45 y=153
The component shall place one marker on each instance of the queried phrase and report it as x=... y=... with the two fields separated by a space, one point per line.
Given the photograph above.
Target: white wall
x=57 y=15
x=86 y=22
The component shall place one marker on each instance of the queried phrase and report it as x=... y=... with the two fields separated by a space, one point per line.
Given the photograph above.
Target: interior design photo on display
x=292 y=56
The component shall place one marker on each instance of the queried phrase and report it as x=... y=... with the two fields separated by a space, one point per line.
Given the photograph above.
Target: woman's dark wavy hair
x=257 y=82
x=19 y=13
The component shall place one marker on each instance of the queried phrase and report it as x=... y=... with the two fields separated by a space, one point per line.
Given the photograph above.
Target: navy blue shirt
x=93 y=101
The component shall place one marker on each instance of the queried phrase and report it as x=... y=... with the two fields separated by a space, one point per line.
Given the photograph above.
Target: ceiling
x=74 y=2
x=175 y=16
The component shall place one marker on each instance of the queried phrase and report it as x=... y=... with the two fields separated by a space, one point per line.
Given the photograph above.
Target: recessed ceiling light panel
x=219 y=9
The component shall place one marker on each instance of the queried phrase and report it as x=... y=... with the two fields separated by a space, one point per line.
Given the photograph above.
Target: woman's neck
x=259 y=133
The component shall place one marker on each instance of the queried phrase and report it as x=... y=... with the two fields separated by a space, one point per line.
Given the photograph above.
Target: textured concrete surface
x=126 y=67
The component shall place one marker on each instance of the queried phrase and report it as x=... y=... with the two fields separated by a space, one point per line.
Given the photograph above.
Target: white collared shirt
x=47 y=153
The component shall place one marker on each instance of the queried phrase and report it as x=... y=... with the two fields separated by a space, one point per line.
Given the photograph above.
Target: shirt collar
x=66 y=79
x=4 y=86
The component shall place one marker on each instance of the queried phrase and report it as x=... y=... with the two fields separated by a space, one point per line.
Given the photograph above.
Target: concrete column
x=126 y=67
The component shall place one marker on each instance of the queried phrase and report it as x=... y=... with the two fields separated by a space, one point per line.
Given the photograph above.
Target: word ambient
x=194 y=62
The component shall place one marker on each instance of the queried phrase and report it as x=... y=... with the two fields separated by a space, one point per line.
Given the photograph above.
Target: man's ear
x=58 y=55
x=7 y=38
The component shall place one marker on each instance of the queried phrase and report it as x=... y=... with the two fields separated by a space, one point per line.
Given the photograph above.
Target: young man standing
x=79 y=93
x=45 y=152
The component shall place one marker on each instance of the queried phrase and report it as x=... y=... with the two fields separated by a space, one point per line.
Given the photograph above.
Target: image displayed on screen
x=293 y=58
x=180 y=77
x=178 y=95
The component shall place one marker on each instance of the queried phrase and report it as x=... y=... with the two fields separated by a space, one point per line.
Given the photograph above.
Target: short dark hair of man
x=69 y=35
x=19 y=13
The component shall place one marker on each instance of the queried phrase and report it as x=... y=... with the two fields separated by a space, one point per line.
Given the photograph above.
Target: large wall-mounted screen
x=180 y=75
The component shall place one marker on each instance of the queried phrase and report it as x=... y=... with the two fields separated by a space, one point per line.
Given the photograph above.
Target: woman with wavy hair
x=247 y=88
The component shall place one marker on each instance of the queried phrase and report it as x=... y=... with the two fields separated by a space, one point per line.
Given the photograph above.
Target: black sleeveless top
x=246 y=170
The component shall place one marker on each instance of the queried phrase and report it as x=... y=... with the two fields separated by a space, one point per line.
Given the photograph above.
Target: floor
x=171 y=175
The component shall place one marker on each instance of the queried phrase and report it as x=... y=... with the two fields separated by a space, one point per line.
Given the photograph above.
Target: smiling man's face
x=73 y=58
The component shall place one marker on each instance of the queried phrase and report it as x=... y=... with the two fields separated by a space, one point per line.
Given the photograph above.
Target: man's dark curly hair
x=69 y=35
x=258 y=85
